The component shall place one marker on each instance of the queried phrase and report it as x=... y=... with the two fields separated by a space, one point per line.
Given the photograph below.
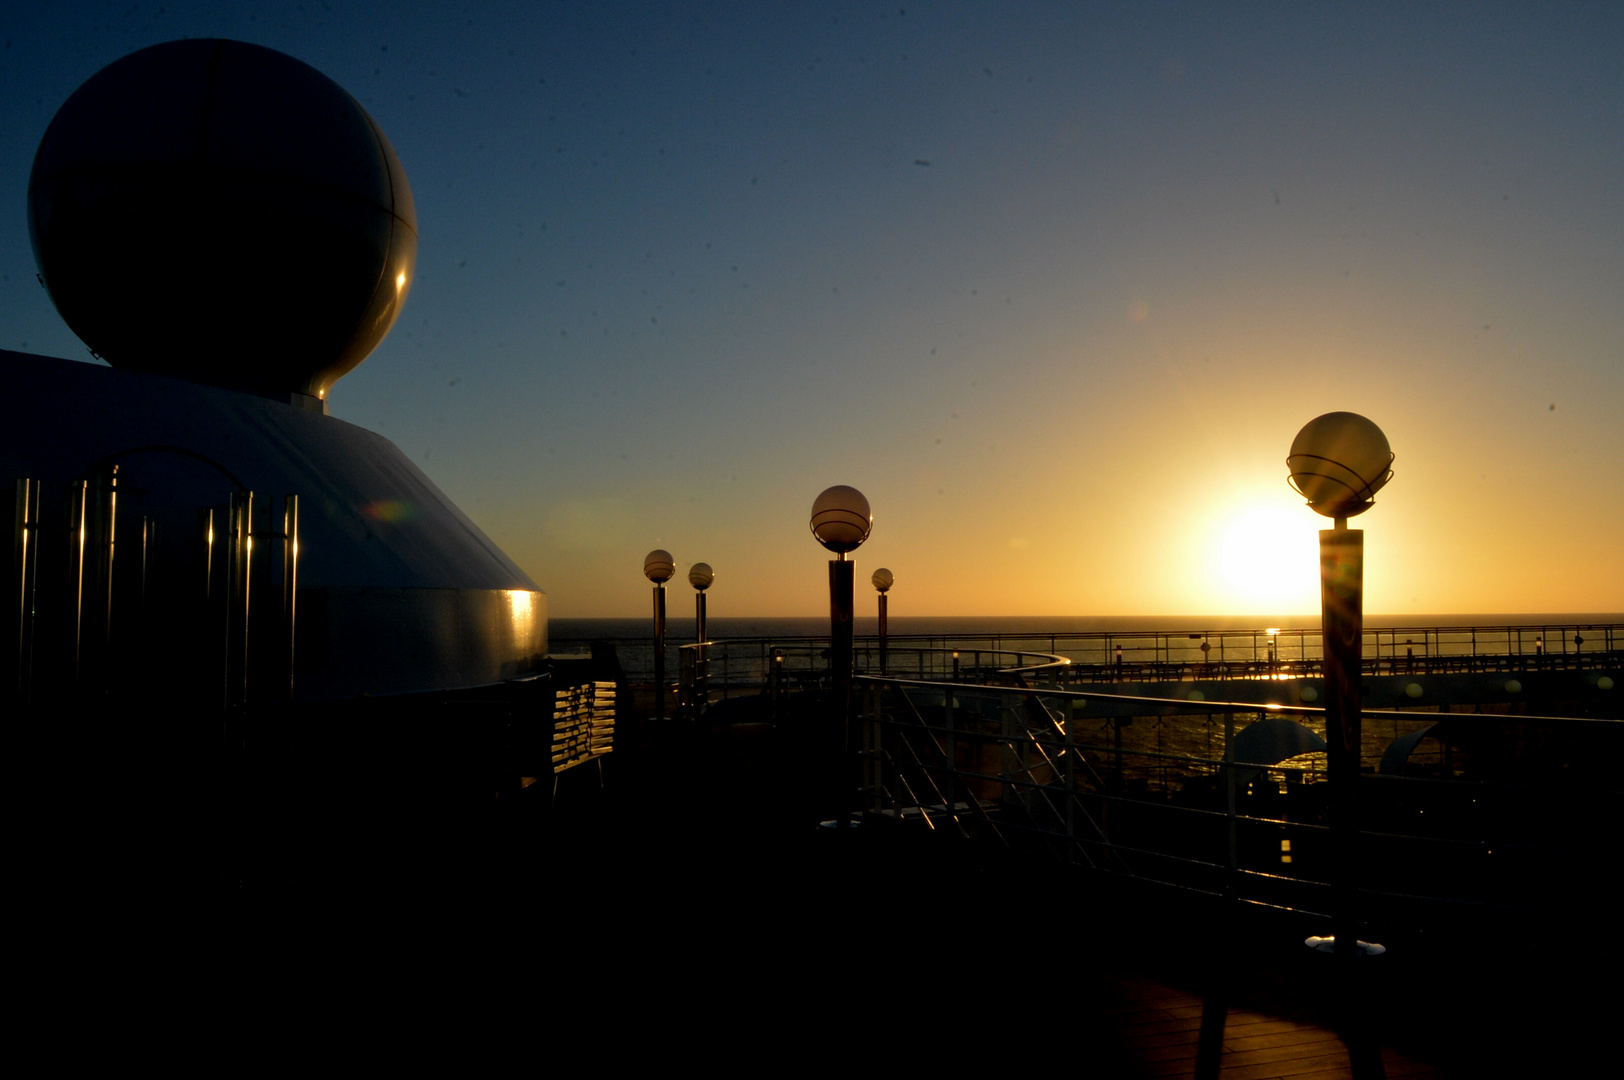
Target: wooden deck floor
x=705 y=924
x=1161 y=1033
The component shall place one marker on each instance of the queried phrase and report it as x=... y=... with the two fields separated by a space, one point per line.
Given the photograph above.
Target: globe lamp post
x=841 y=522
x=1338 y=462
x=700 y=576
x=658 y=568
x=883 y=580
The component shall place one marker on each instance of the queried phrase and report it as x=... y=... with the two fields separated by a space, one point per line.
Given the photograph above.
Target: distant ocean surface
x=679 y=629
x=633 y=638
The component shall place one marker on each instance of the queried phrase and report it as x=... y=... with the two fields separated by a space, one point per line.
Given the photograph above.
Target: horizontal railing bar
x=1186 y=707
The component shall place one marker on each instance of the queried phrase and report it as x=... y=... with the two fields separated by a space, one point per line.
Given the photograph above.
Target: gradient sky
x=1054 y=284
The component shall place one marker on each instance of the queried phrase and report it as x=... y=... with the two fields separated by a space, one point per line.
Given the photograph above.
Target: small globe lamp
x=883 y=581
x=841 y=520
x=659 y=567
x=700 y=576
x=1338 y=462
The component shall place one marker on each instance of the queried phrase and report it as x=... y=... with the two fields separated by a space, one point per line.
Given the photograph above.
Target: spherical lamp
x=840 y=519
x=883 y=579
x=1338 y=462
x=658 y=567
x=700 y=576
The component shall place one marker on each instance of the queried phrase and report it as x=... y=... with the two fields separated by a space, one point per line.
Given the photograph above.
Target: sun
x=1264 y=561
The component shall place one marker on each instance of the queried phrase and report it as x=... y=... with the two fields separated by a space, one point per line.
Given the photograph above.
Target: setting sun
x=1263 y=561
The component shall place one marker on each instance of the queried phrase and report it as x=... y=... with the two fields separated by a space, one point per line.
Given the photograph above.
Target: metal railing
x=1111 y=656
x=716 y=670
x=1463 y=817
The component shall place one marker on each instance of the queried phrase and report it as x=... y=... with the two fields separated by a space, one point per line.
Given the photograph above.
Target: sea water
x=1145 y=638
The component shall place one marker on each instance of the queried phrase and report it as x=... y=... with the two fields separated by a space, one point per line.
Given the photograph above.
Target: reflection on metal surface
x=392 y=641
x=397 y=591
x=521 y=614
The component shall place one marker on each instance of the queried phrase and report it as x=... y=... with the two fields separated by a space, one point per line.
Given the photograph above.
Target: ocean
x=1093 y=638
x=681 y=628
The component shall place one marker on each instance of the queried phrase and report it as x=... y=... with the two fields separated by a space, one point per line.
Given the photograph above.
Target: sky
x=1053 y=284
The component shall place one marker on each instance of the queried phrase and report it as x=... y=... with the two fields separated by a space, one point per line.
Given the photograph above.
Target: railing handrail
x=1030 y=767
x=1425 y=645
x=1186 y=707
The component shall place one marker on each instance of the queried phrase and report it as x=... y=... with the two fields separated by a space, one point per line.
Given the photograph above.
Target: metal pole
x=290 y=583
x=101 y=515
x=78 y=496
x=701 y=668
x=841 y=574
x=25 y=575
x=1342 y=614
x=1342 y=559
x=239 y=558
x=884 y=657
x=841 y=602
x=659 y=650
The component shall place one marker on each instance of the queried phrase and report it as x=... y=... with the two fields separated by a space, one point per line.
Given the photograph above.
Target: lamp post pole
x=700 y=576
x=841 y=604
x=659 y=650
x=841 y=521
x=883 y=580
x=1342 y=559
x=1338 y=462
x=658 y=568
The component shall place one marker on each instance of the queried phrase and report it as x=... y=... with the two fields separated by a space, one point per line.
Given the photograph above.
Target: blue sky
x=1053 y=284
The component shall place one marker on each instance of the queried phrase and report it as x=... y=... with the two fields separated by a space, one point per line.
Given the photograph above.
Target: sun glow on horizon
x=1263 y=559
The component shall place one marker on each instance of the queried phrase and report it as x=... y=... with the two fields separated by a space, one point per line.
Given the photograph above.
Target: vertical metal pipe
x=78 y=496
x=290 y=584
x=699 y=619
x=206 y=529
x=1229 y=794
x=107 y=539
x=239 y=556
x=659 y=650
x=701 y=664
x=25 y=573
x=101 y=519
x=885 y=658
x=1342 y=615
x=844 y=741
x=841 y=576
x=148 y=536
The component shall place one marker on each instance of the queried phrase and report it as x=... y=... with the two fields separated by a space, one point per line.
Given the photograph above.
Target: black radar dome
x=223 y=213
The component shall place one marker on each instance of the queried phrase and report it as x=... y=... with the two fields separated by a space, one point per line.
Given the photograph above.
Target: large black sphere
x=223 y=213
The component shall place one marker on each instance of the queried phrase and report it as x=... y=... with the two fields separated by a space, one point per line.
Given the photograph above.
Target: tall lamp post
x=883 y=580
x=700 y=576
x=841 y=521
x=1338 y=462
x=658 y=568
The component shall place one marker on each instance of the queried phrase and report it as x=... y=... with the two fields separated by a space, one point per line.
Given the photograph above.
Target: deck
x=687 y=912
